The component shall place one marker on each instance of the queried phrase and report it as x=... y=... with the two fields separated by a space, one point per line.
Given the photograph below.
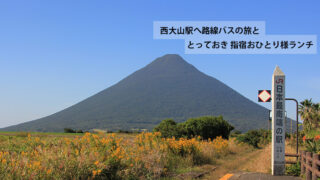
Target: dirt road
x=252 y=163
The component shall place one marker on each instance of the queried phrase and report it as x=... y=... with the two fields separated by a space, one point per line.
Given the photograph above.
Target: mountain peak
x=169 y=58
x=170 y=62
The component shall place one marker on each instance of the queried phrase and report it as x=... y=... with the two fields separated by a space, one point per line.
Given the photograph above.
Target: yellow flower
x=96 y=163
x=36 y=163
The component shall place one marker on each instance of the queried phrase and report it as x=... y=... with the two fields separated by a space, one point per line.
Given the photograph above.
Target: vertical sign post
x=278 y=123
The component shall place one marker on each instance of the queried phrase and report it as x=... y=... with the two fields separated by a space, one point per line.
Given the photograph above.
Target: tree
x=167 y=127
x=310 y=113
x=315 y=115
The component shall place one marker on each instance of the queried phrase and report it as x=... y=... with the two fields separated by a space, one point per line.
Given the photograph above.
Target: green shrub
x=312 y=145
x=235 y=133
x=255 y=137
x=293 y=169
x=124 y=131
x=168 y=128
x=79 y=131
x=252 y=138
x=69 y=130
x=206 y=127
x=265 y=136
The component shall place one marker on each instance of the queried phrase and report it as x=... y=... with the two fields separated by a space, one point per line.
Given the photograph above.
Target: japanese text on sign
x=233 y=37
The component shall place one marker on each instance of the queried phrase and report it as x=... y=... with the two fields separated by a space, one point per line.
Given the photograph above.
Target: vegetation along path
x=244 y=160
x=253 y=161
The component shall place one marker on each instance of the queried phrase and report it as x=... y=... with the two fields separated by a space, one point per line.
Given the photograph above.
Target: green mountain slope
x=168 y=87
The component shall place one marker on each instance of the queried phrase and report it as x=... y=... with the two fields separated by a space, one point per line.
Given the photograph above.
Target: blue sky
x=54 y=54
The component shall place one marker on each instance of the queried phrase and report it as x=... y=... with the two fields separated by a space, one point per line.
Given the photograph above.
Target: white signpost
x=278 y=122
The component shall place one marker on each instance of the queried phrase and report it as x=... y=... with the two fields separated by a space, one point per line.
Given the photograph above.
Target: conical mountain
x=168 y=87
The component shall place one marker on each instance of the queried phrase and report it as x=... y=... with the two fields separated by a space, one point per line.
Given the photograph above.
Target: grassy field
x=114 y=156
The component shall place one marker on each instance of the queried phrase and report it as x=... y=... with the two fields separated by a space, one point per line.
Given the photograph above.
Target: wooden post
x=315 y=169
x=303 y=161
x=308 y=165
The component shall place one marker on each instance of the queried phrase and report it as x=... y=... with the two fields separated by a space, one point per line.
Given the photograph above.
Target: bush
x=206 y=127
x=255 y=137
x=69 y=130
x=124 y=131
x=168 y=128
x=312 y=144
x=265 y=136
x=252 y=138
x=235 y=133
x=293 y=170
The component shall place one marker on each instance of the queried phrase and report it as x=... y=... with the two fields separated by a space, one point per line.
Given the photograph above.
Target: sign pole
x=278 y=123
x=297 y=121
